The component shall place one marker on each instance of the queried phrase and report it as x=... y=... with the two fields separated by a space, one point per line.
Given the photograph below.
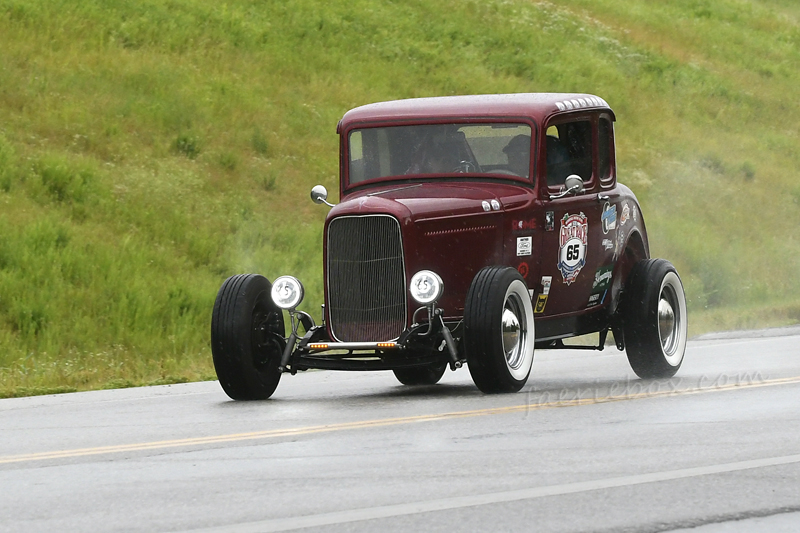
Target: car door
x=573 y=244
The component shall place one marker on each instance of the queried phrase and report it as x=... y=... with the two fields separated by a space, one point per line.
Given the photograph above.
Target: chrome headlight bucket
x=287 y=292
x=426 y=287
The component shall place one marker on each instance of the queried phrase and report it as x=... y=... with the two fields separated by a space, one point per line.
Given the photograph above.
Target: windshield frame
x=346 y=185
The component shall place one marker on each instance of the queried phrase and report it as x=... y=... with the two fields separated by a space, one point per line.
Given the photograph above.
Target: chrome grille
x=366 y=278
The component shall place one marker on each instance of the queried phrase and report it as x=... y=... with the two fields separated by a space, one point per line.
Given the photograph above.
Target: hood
x=421 y=201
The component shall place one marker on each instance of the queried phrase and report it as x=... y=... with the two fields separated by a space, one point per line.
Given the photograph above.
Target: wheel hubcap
x=512 y=333
x=667 y=322
x=666 y=318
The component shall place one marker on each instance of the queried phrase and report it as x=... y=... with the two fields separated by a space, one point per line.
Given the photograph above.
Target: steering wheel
x=465 y=167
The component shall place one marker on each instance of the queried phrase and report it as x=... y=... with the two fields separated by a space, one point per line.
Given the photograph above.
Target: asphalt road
x=584 y=447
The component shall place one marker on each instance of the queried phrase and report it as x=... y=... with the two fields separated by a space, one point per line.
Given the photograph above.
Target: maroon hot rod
x=471 y=229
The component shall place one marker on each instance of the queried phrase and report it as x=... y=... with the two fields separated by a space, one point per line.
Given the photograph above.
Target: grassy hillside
x=150 y=149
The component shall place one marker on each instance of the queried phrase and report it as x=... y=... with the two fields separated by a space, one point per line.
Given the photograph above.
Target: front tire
x=247 y=338
x=654 y=317
x=499 y=330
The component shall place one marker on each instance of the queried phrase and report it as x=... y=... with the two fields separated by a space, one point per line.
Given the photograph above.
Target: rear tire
x=654 y=319
x=499 y=330
x=425 y=375
x=247 y=338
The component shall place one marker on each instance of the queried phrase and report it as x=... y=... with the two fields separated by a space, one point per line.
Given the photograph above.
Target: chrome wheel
x=511 y=331
x=666 y=322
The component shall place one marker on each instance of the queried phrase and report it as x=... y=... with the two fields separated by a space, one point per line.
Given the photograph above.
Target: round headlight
x=426 y=287
x=287 y=292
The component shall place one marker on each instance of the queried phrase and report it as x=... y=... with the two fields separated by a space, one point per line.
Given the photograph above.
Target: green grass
x=148 y=150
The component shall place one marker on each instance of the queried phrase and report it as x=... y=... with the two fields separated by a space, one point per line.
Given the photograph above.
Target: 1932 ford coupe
x=471 y=229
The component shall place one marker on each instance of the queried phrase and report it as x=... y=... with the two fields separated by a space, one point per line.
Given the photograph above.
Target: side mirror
x=319 y=195
x=572 y=185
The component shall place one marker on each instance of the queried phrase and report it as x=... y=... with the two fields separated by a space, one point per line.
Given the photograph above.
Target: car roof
x=534 y=105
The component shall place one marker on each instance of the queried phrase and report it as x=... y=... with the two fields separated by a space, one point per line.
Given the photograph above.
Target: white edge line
x=443 y=504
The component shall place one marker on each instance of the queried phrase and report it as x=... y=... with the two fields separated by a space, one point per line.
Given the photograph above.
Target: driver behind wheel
x=432 y=158
x=518 y=152
x=439 y=160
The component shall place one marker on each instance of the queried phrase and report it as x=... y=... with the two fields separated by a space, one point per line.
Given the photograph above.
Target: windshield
x=436 y=149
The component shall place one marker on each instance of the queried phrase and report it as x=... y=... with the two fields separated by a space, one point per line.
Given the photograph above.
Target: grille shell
x=366 y=278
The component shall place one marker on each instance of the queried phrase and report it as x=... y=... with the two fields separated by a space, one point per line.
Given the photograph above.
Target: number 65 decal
x=572 y=243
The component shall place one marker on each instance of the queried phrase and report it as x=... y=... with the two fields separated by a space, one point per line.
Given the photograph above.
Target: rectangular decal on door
x=608 y=219
x=541 y=300
x=524 y=246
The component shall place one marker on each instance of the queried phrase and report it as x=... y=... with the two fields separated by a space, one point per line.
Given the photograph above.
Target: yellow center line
x=327 y=428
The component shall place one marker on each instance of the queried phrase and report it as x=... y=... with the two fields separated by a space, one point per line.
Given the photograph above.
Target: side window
x=568 y=151
x=604 y=148
x=356 y=157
